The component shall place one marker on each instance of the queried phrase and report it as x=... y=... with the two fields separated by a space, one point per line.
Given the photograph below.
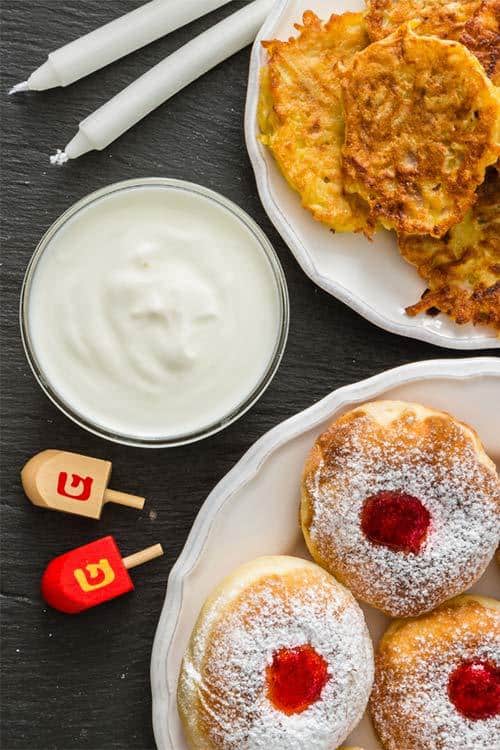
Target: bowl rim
x=264 y=246
x=293 y=241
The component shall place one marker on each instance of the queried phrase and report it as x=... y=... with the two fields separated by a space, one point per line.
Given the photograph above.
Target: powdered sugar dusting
x=231 y=684
x=436 y=463
x=410 y=702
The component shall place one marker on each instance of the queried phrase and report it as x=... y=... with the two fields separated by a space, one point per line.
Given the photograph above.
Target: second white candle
x=191 y=61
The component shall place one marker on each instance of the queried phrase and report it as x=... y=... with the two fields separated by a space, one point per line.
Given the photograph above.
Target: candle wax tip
x=19 y=87
x=59 y=158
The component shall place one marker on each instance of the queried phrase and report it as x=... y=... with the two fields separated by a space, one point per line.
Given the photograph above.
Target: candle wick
x=59 y=158
x=19 y=87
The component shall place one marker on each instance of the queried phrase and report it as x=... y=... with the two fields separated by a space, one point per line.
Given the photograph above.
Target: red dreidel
x=90 y=575
x=72 y=483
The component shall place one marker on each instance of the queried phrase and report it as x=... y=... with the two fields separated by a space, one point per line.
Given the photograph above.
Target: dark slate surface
x=84 y=682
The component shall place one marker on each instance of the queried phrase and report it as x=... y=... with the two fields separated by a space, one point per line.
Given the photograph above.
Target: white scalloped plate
x=370 y=277
x=253 y=510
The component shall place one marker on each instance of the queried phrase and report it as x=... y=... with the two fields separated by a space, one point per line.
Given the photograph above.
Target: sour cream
x=156 y=311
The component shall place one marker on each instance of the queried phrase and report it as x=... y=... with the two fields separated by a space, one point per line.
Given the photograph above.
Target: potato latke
x=474 y=23
x=443 y=18
x=422 y=122
x=300 y=114
x=481 y=35
x=462 y=269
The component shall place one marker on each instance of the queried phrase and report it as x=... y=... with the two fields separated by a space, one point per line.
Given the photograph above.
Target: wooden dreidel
x=72 y=483
x=90 y=575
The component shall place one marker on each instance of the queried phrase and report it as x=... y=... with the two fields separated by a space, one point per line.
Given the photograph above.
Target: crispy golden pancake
x=462 y=269
x=474 y=23
x=481 y=35
x=422 y=122
x=300 y=114
x=443 y=18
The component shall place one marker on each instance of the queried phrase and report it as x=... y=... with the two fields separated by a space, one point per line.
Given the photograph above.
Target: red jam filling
x=296 y=678
x=396 y=520
x=474 y=689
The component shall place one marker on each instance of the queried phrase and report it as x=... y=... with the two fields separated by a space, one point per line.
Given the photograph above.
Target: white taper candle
x=182 y=67
x=114 y=40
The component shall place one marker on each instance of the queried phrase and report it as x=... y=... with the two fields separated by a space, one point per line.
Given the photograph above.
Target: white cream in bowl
x=154 y=311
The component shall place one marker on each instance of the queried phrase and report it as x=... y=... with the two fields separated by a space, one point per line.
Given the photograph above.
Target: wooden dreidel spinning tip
x=90 y=575
x=72 y=483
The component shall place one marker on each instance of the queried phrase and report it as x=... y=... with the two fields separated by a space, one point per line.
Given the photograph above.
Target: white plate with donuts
x=253 y=512
x=371 y=277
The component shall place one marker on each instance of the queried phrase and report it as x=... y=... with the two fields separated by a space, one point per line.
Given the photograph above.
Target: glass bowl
x=163 y=440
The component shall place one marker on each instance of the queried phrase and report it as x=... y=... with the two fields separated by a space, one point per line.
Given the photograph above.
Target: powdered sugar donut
x=401 y=504
x=279 y=659
x=437 y=679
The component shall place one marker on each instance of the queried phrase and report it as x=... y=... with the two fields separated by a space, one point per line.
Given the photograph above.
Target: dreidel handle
x=122 y=498
x=143 y=556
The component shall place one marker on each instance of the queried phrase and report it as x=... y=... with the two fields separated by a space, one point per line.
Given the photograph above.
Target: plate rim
x=246 y=468
x=294 y=243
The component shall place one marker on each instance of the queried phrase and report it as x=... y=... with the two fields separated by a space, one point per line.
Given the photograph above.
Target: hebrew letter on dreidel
x=76 y=481
x=95 y=575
